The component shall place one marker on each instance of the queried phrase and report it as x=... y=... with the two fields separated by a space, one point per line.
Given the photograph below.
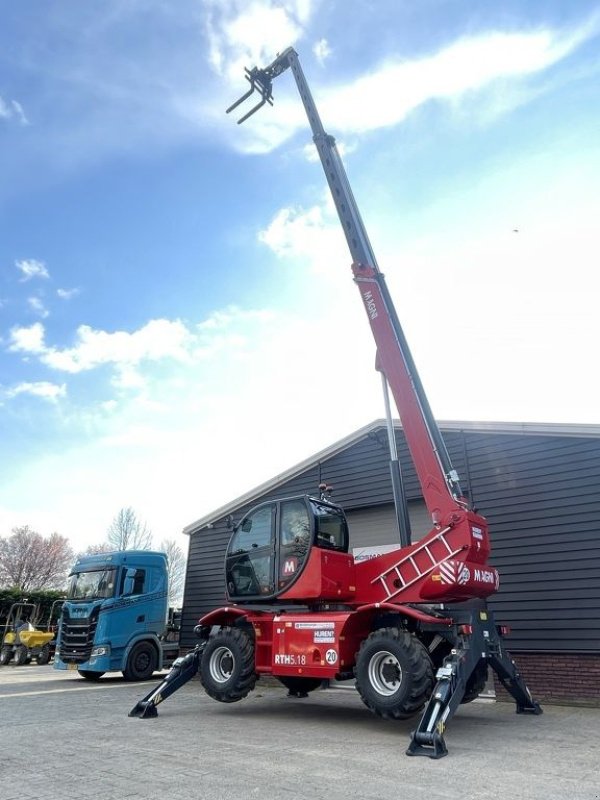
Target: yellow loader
x=21 y=641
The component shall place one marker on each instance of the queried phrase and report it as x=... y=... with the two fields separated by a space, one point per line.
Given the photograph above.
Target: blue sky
x=178 y=319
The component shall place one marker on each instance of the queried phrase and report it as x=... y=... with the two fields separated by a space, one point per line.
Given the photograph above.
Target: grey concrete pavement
x=64 y=737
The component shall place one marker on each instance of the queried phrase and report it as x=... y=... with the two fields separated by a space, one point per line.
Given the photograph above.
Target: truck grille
x=77 y=637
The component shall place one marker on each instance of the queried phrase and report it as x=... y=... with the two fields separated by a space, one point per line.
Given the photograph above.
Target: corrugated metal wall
x=542 y=500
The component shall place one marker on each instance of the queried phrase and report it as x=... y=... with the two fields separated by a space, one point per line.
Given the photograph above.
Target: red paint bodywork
x=311 y=644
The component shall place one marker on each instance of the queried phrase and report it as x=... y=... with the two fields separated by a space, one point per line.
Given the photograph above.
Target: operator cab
x=271 y=546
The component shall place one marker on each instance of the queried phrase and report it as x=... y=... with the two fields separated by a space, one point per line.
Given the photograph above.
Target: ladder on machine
x=421 y=561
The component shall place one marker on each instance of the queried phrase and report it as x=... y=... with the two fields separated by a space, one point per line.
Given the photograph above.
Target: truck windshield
x=91 y=585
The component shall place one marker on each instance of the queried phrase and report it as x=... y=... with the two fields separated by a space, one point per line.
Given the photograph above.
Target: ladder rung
x=418 y=577
x=410 y=557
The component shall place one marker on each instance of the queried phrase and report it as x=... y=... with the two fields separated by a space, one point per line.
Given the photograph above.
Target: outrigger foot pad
x=534 y=708
x=144 y=710
x=431 y=745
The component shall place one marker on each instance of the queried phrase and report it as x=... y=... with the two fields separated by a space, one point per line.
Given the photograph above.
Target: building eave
x=523 y=428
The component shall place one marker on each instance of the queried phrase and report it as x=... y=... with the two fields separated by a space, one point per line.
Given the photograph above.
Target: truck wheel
x=90 y=675
x=21 y=655
x=227 y=667
x=43 y=657
x=300 y=686
x=142 y=662
x=475 y=684
x=5 y=655
x=394 y=674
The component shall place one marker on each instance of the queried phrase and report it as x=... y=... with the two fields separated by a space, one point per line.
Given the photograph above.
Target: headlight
x=102 y=650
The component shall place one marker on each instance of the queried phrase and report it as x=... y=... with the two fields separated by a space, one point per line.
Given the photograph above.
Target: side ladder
x=420 y=561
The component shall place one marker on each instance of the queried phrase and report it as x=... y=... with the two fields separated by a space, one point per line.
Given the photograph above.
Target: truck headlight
x=101 y=650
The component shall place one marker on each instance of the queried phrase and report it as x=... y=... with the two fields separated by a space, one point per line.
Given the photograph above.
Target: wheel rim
x=221 y=665
x=142 y=662
x=385 y=673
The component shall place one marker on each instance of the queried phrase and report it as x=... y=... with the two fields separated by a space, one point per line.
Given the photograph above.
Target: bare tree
x=95 y=549
x=176 y=562
x=127 y=532
x=30 y=561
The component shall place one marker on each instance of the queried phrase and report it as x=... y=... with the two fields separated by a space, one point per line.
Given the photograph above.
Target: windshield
x=91 y=585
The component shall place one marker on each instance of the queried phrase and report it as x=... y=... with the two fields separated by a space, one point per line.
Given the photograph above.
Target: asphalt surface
x=63 y=737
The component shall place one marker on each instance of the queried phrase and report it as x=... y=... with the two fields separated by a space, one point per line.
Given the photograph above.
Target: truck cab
x=115 y=616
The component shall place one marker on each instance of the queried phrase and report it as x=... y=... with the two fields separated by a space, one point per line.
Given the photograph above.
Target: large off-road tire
x=43 y=657
x=141 y=662
x=6 y=655
x=20 y=655
x=300 y=686
x=227 y=668
x=475 y=684
x=394 y=674
x=90 y=675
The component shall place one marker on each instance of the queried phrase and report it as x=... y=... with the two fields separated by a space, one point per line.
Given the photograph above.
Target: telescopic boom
x=439 y=480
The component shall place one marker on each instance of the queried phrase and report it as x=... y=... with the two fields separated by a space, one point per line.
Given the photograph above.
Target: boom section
x=438 y=479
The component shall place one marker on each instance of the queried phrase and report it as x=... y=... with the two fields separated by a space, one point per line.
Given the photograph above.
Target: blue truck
x=116 y=616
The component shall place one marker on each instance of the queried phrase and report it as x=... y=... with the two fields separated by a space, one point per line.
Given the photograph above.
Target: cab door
x=250 y=565
x=294 y=538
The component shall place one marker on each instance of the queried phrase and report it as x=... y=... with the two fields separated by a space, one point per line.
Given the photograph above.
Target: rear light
x=465 y=630
x=503 y=630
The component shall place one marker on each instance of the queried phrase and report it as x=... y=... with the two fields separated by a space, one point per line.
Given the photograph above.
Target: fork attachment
x=261 y=81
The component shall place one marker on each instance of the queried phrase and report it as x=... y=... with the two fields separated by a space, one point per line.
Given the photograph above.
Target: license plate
x=71 y=666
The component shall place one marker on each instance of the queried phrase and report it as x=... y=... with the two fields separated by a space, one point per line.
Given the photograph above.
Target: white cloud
x=391 y=91
x=312 y=235
x=32 y=268
x=243 y=34
x=44 y=389
x=38 y=307
x=321 y=50
x=387 y=95
x=67 y=294
x=129 y=354
x=27 y=339
x=157 y=339
x=13 y=110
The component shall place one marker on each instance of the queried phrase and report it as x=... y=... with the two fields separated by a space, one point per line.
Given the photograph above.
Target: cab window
x=331 y=527
x=250 y=556
x=133 y=581
x=254 y=531
x=295 y=536
x=295 y=523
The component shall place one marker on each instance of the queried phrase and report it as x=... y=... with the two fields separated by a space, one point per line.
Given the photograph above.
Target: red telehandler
x=411 y=627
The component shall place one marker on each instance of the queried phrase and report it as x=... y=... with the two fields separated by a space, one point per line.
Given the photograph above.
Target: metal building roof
x=525 y=428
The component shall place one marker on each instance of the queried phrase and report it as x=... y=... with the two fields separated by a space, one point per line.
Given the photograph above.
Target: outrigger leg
x=182 y=671
x=480 y=646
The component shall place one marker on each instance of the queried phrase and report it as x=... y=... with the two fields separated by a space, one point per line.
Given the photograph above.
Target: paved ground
x=78 y=741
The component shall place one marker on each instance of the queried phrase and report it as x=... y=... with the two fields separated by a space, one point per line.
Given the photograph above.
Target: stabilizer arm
x=182 y=671
x=479 y=645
